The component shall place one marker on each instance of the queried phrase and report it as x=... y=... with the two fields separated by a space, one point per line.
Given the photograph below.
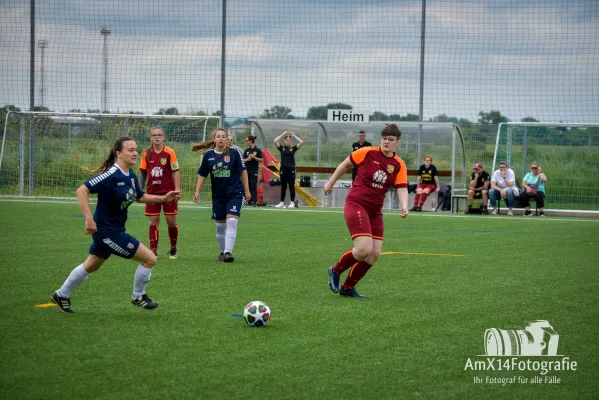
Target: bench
x=530 y=200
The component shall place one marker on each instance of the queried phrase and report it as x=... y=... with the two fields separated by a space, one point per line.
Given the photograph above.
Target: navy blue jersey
x=116 y=192
x=225 y=173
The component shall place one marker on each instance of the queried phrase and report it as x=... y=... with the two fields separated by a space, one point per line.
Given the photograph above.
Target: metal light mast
x=105 y=32
x=42 y=44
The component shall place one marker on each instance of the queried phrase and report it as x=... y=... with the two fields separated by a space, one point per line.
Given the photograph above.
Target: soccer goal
x=568 y=154
x=45 y=154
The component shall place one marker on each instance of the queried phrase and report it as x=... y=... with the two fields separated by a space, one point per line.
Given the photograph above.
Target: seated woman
x=533 y=186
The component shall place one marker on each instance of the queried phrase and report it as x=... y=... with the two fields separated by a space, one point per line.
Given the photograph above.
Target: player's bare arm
x=343 y=168
x=83 y=200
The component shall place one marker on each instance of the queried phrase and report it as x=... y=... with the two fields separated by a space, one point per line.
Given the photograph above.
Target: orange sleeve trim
x=402 y=175
x=143 y=164
x=358 y=156
x=171 y=152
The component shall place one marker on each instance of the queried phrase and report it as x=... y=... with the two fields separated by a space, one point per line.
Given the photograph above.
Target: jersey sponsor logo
x=156 y=182
x=390 y=169
x=163 y=161
x=379 y=178
x=121 y=184
x=156 y=172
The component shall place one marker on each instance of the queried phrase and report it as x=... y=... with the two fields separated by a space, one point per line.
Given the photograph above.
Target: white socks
x=76 y=278
x=231 y=234
x=221 y=229
x=140 y=281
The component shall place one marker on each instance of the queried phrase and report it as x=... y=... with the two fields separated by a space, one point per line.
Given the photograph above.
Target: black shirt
x=482 y=178
x=288 y=156
x=427 y=175
x=357 y=145
x=252 y=165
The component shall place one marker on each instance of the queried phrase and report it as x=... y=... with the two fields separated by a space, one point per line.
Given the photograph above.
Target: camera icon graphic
x=536 y=338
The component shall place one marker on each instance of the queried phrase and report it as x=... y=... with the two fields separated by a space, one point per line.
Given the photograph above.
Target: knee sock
x=356 y=273
x=173 y=234
x=416 y=200
x=154 y=237
x=231 y=234
x=76 y=278
x=423 y=197
x=141 y=279
x=221 y=229
x=346 y=261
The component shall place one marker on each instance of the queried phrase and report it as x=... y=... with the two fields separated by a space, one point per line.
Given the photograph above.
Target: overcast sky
x=536 y=58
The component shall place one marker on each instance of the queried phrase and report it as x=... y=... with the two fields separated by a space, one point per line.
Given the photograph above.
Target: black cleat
x=350 y=293
x=173 y=253
x=333 y=280
x=144 y=301
x=415 y=208
x=228 y=257
x=64 y=303
x=221 y=257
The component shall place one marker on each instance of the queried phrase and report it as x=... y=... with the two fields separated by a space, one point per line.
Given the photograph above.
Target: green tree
x=492 y=117
x=411 y=117
x=320 y=112
x=168 y=111
x=277 y=112
x=379 y=116
x=529 y=119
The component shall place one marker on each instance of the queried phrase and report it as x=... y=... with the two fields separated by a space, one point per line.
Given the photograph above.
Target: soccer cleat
x=333 y=280
x=542 y=214
x=64 y=303
x=350 y=293
x=173 y=253
x=528 y=213
x=144 y=301
x=228 y=257
x=510 y=213
x=484 y=211
x=418 y=209
x=415 y=208
x=494 y=212
x=221 y=257
x=280 y=205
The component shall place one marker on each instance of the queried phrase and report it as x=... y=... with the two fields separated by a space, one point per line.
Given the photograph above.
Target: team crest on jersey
x=163 y=161
x=227 y=159
x=390 y=169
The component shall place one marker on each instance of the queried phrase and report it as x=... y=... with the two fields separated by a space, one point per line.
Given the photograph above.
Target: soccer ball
x=256 y=314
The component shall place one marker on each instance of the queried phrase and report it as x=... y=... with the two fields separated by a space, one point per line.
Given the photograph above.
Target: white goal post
x=45 y=154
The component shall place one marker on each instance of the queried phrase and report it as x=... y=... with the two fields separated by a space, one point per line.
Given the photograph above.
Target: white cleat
x=280 y=205
x=291 y=205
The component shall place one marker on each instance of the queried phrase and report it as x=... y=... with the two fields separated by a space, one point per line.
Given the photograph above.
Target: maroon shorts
x=430 y=186
x=362 y=221
x=169 y=208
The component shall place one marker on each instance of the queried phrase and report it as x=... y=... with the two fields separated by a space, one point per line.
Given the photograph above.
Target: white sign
x=347 y=116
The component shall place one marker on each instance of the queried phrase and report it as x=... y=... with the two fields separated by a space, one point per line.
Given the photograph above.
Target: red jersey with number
x=377 y=173
x=159 y=168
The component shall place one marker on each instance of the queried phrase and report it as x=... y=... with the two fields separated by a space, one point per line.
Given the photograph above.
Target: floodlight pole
x=105 y=33
x=421 y=100
x=42 y=44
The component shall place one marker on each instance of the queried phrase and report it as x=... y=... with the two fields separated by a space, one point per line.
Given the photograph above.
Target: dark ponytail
x=118 y=146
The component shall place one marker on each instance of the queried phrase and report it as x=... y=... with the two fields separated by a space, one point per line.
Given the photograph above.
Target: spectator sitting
x=503 y=186
x=428 y=182
x=533 y=187
x=479 y=188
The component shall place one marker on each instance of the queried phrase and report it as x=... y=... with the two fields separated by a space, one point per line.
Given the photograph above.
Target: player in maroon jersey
x=380 y=169
x=161 y=164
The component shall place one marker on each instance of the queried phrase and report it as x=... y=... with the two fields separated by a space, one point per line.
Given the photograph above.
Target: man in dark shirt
x=479 y=188
x=356 y=146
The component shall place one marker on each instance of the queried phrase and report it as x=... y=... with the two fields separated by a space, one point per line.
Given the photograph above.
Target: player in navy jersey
x=229 y=180
x=117 y=188
x=380 y=169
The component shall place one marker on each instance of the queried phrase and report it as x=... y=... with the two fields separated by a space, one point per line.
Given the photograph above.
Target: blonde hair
x=202 y=147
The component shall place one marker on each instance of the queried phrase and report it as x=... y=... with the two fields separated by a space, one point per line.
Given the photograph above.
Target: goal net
x=45 y=154
x=567 y=153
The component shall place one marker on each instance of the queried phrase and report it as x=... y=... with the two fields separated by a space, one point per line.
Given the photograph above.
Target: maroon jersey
x=160 y=168
x=377 y=173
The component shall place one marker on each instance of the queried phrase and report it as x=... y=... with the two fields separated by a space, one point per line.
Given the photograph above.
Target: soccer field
x=441 y=283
